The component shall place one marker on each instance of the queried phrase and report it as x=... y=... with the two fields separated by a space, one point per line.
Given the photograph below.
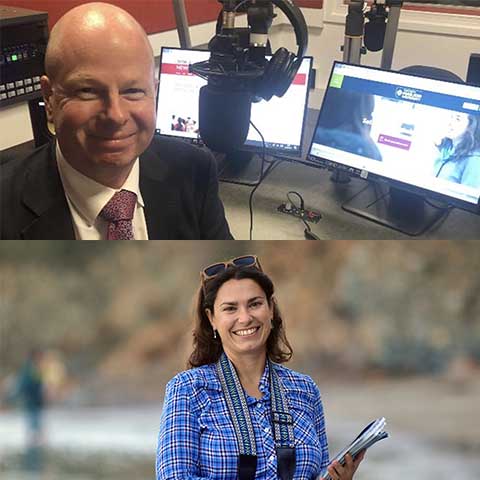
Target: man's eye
x=134 y=93
x=87 y=93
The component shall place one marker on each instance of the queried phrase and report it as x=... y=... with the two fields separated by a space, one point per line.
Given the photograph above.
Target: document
x=370 y=435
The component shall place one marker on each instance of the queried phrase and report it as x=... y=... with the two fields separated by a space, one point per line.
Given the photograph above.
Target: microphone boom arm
x=182 y=23
x=355 y=29
x=395 y=7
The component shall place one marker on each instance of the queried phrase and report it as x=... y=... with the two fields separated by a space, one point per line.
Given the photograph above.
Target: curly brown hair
x=207 y=349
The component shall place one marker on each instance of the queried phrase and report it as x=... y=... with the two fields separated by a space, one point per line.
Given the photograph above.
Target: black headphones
x=281 y=69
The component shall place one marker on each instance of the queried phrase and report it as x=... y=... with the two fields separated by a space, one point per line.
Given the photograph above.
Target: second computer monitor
x=421 y=134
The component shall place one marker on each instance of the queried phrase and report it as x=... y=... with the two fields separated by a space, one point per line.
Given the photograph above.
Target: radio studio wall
x=422 y=39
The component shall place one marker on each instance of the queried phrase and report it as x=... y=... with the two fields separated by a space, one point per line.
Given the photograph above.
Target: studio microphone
x=375 y=28
x=224 y=116
x=238 y=72
x=225 y=102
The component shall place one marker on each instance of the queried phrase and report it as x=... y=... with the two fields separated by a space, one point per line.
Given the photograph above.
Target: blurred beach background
x=385 y=329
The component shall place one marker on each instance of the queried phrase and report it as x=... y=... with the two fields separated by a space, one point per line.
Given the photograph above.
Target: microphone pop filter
x=224 y=118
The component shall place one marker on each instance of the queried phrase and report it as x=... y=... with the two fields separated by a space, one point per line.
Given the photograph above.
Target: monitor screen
x=280 y=120
x=417 y=133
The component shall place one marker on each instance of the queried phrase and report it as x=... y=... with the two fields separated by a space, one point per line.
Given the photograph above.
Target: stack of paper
x=370 y=435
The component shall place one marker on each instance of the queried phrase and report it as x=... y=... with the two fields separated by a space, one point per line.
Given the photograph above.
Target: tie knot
x=120 y=207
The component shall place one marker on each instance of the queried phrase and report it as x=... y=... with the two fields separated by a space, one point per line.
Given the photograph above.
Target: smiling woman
x=237 y=412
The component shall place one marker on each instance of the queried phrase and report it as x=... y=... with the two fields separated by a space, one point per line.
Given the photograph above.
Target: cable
x=250 y=207
x=302 y=203
x=264 y=148
x=309 y=235
x=250 y=198
x=263 y=175
x=269 y=169
x=240 y=5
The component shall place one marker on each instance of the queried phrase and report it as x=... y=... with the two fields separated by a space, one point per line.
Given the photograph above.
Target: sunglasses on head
x=245 y=261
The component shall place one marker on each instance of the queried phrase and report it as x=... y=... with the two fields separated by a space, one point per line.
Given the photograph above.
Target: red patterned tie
x=118 y=212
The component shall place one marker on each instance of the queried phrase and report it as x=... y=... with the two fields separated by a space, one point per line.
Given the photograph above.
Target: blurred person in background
x=237 y=412
x=54 y=375
x=28 y=388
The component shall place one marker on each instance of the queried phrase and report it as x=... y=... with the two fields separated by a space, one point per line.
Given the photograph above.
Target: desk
x=322 y=195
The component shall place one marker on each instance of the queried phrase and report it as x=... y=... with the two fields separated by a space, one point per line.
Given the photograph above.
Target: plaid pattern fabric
x=197 y=438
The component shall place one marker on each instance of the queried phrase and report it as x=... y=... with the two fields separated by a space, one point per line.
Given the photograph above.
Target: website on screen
x=415 y=130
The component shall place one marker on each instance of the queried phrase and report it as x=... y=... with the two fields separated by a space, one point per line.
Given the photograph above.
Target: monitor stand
x=241 y=168
x=403 y=211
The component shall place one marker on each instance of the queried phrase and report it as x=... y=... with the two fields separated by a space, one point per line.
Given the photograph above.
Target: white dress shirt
x=86 y=199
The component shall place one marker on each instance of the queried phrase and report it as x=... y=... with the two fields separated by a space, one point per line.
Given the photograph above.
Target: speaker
x=473 y=74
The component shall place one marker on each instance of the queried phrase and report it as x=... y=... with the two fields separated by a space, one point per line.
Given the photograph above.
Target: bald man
x=107 y=176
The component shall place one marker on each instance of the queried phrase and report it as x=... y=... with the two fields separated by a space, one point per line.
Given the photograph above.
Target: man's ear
x=47 y=92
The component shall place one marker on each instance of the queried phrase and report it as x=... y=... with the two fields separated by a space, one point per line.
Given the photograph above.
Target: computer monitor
x=417 y=136
x=280 y=120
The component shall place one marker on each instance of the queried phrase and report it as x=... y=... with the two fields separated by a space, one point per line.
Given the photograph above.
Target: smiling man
x=106 y=176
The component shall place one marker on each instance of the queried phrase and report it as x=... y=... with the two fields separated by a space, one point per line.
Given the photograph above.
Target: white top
x=86 y=199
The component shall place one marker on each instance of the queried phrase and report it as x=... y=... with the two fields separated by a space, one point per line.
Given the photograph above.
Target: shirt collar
x=88 y=196
x=213 y=382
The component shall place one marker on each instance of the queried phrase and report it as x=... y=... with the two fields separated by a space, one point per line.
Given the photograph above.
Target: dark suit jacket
x=178 y=183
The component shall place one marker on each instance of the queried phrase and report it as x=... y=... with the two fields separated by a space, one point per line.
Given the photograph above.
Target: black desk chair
x=432 y=72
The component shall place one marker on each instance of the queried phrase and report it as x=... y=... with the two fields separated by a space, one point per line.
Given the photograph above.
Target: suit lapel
x=160 y=199
x=44 y=196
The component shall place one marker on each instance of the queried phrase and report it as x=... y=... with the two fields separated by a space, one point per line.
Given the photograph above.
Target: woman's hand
x=345 y=472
